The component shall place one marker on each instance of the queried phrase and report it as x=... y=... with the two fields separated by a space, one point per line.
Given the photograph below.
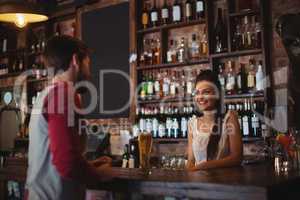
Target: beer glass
x=145 y=147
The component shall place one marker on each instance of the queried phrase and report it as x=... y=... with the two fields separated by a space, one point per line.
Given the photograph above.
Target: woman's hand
x=193 y=168
x=101 y=161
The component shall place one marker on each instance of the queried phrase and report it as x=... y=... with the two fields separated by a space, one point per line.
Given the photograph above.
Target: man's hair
x=60 y=49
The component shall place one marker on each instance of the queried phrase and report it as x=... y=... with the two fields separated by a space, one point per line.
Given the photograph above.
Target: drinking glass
x=145 y=146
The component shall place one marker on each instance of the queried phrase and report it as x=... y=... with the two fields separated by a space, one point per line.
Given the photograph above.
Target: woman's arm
x=235 y=145
x=191 y=159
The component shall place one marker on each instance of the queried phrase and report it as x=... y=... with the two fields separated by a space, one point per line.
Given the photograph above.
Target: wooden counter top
x=253 y=182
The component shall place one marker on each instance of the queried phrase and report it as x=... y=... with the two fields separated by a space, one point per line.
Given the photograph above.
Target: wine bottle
x=200 y=9
x=245 y=118
x=221 y=76
x=259 y=78
x=195 y=48
x=251 y=77
x=230 y=82
x=145 y=16
x=175 y=127
x=154 y=14
x=258 y=34
x=165 y=13
x=132 y=157
x=242 y=80
x=220 y=33
x=182 y=51
x=177 y=12
x=188 y=10
x=125 y=157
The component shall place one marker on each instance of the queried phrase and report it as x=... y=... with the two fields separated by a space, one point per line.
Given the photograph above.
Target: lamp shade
x=21 y=13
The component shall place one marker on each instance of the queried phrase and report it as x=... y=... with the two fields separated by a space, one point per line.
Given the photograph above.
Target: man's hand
x=101 y=161
x=106 y=172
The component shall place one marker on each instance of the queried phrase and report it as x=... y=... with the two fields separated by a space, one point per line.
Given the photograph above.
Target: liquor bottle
x=251 y=77
x=182 y=51
x=170 y=52
x=154 y=14
x=200 y=9
x=220 y=33
x=177 y=12
x=149 y=127
x=245 y=118
x=173 y=86
x=165 y=13
x=157 y=52
x=143 y=91
x=242 y=80
x=182 y=84
x=145 y=17
x=189 y=85
x=132 y=157
x=151 y=52
x=230 y=80
x=175 y=127
x=184 y=127
x=125 y=157
x=221 y=76
x=239 y=110
x=188 y=10
x=247 y=40
x=150 y=87
x=166 y=86
x=157 y=86
x=161 y=130
x=204 y=45
x=237 y=36
x=259 y=78
x=155 y=126
x=253 y=32
x=169 y=127
x=255 y=125
x=195 y=48
x=258 y=35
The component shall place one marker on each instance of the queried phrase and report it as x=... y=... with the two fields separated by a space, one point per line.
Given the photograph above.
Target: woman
x=213 y=140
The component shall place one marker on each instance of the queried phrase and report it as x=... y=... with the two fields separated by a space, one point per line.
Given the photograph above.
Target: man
x=57 y=169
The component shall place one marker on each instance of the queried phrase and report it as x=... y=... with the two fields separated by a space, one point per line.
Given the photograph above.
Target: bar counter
x=253 y=182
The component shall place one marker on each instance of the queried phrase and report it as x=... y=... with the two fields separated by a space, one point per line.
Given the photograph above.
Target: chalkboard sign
x=106 y=32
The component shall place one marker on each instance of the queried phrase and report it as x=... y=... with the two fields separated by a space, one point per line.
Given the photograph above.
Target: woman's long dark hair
x=210 y=76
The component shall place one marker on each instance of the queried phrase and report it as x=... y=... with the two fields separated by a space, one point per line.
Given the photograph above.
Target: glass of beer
x=145 y=146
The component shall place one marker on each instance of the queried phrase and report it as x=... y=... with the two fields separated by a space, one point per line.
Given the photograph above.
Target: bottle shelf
x=171 y=26
x=171 y=65
x=178 y=140
x=255 y=96
x=166 y=100
x=237 y=53
x=244 y=96
x=244 y=13
x=166 y=140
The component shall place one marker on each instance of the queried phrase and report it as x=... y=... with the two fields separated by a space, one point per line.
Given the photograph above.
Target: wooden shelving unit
x=212 y=59
x=171 y=65
x=171 y=26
